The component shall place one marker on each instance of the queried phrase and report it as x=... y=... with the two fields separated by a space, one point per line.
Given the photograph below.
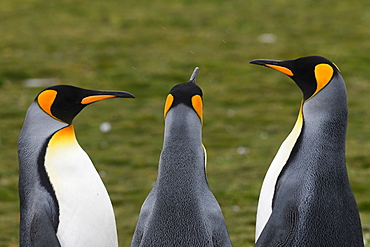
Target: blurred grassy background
x=146 y=47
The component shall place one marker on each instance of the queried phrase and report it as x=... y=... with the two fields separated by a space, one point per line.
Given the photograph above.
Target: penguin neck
x=182 y=124
x=182 y=160
x=38 y=125
x=325 y=115
x=36 y=130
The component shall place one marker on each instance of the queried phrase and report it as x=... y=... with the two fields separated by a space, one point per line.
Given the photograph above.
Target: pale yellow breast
x=86 y=213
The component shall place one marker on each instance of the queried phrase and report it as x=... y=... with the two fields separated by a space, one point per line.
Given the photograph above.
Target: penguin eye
x=46 y=100
x=168 y=104
x=323 y=74
x=197 y=103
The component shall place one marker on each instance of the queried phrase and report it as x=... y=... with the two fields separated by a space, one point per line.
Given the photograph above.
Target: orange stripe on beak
x=281 y=69
x=94 y=98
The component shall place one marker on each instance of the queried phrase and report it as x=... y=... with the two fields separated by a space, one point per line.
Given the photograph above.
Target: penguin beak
x=95 y=96
x=275 y=64
x=193 y=77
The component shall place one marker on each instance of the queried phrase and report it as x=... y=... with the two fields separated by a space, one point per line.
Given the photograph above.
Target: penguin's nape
x=188 y=93
x=64 y=102
x=183 y=92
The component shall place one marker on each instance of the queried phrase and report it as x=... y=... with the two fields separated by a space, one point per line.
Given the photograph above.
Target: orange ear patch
x=323 y=73
x=281 y=69
x=197 y=103
x=168 y=104
x=46 y=99
x=94 y=98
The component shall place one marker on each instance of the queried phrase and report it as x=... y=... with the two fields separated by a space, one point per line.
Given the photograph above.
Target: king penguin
x=306 y=199
x=181 y=209
x=63 y=201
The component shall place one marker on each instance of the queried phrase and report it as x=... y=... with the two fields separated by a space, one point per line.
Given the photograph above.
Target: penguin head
x=64 y=102
x=311 y=73
x=188 y=94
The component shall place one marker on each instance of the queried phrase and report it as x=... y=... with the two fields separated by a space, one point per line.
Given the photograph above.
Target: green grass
x=146 y=47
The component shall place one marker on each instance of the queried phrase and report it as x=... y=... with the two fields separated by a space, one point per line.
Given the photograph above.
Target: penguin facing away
x=63 y=201
x=306 y=199
x=181 y=210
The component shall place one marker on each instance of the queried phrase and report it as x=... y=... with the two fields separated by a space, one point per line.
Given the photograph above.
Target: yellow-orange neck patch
x=323 y=74
x=46 y=100
x=197 y=103
x=61 y=142
x=94 y=98
x=281 y=69
x=63 y=137
x=168 y=104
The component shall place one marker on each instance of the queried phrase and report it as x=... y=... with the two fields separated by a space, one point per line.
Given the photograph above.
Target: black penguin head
x=64 y=102
x=188 y=94
x=311 y=73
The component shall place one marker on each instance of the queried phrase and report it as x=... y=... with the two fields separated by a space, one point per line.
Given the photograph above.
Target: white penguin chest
x=86 y=216
x=264 y=208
